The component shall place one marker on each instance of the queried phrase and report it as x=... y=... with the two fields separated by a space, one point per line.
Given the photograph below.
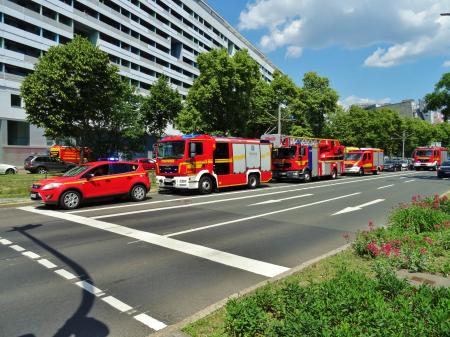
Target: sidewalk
x=14 y=202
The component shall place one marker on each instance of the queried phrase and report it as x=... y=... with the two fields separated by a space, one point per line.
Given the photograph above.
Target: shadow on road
x=79 y=324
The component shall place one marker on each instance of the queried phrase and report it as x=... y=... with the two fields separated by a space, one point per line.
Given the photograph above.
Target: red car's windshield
x=77 y=170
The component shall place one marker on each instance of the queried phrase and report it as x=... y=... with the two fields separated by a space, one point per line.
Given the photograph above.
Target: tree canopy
x=77 y=95
x=439 y=99
x=161 y=106
x=220 y=99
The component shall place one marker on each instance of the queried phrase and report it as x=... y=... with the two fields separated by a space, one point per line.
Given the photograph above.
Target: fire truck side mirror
x=192 y=150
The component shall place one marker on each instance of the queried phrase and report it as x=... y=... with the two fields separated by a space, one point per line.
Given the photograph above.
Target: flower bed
x=417 y=237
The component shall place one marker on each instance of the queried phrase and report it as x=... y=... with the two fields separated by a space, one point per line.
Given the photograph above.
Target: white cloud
x=399 y=31
x=294 y=51
x=446 y=63
x=355 y=100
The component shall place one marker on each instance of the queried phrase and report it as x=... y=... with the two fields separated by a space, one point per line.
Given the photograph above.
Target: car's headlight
x=51 y=186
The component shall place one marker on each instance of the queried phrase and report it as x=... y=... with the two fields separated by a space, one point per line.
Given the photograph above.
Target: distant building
x=145 y=39
x=434 y=117
x=406 y=108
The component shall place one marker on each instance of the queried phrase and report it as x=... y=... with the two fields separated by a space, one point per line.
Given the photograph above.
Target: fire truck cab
x=429 y=157
x=206 y=163
x=302 y=158
x=364 y=160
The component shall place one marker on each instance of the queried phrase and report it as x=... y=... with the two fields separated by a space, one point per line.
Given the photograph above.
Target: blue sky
x=372 y=51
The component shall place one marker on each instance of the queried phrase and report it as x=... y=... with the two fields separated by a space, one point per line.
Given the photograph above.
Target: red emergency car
x=147 y=163
x=93 y=180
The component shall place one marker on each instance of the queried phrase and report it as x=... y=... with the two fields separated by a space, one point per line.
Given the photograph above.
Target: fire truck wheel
x=70 y=199
x=361 y=172
x=41 y=170
x=307 y=176
x=334 y=174
x=376 y=171
x=205 y=185
x=138 y=193
x=253 y=181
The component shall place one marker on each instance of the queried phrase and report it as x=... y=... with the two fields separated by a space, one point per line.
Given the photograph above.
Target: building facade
x=144 y=38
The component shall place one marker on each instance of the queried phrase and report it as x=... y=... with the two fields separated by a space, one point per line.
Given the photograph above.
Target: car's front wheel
x=10 y=171
x=138 y=193
x=70 y=199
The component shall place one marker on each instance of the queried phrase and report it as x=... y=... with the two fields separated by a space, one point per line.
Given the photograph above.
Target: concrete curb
x=175 y=329
x=15 y=204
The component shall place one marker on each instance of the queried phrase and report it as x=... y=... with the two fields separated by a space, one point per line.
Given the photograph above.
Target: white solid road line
x=113 y=215
x=386 y=186
x=408 y=181
x=90 y=288
x=272 y=201
x=359 y=207
x=64 y=273
x=17 y=248
x=260 y=215
x=115 y=303
x=31 y=255
x=46 y=263
x=316 y=184
x=232 y=260
x=150 y=321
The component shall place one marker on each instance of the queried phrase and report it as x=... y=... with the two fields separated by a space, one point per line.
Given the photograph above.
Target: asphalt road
x=128 y=269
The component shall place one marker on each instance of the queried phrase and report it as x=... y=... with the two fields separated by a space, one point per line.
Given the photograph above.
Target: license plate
x=34 y=196
x=282 y=173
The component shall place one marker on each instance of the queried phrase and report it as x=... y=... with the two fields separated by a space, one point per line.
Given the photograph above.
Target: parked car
x=392 y=165
x=148 y=164
x=443 y=170
x=8 y=169
x=43 y=164
x=406 y=164
x=95 y=180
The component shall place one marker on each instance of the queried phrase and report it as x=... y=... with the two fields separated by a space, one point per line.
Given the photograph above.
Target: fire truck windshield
x=171 y=150
x=353 y=156
x=424 y=153
x=285 y=153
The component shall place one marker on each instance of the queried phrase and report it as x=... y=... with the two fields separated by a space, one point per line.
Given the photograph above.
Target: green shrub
x=417 y=219
x=350 y=304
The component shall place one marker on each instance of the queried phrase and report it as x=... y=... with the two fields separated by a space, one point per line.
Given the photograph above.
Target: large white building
x=145 y=38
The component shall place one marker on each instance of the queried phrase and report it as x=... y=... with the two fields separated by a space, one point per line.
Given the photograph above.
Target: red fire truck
x=364 y=160
x=206 y=163
x=302 y=158
x=429 y=157
x=69 y=153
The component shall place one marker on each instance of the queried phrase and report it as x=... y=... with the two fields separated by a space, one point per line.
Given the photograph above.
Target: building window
x=18 y=133
x=16 y=101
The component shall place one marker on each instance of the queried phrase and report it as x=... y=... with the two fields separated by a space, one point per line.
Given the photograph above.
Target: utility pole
x=279 y=121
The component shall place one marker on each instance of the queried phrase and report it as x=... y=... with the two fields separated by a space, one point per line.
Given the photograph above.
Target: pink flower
x=396 y=251
x=373 y=248
x=428 y=240
x=371 y=226
x=423 y=251
x=386 y=248
x=346 y=236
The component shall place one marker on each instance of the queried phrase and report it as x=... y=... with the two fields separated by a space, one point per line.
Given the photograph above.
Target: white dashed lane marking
x=117 y=304
x=64 y=273
x=31 y=255
x=17 y=248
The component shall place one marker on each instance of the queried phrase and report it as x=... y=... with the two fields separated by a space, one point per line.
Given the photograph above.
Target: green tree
x=317 y=101
x=75 y=93
x=281 y=93
x=366 y=128
x=440 y=97
x=161 y=106
x=220 y=99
